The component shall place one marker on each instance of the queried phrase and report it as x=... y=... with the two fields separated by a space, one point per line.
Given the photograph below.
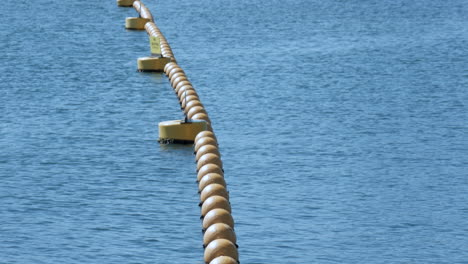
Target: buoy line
x=219 y=238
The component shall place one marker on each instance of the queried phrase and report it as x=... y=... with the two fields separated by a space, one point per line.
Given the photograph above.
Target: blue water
x=343 y=127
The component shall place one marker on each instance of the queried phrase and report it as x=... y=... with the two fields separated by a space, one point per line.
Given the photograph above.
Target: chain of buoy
x=219 y=238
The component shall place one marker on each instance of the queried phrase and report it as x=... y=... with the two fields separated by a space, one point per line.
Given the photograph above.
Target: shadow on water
x=182 y=148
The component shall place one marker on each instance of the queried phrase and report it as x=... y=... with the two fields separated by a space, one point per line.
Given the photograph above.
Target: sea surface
x=343 y=128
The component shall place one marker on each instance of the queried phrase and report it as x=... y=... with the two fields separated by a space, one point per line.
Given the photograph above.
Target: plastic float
x=210 y=178
x=219 y=231
x=213 y=202
x=220 y=247
x=217 y=215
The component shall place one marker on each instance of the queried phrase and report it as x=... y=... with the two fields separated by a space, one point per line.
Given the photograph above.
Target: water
x=342 y=124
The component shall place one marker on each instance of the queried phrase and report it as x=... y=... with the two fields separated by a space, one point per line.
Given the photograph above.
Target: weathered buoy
x=207 y=149
x=192 y=103
x=209 y=158
x=205 y=141
x=209 y=168
x=168 y=54
x=213 y=202
x=178 y=77
x=211 y=178
x=213 y=190
x=224 y=260
x=183 y=90
x=202 y=116
x=142 y=10
x=176 y=74
x=187 y=99
x=220 y=247
x=136 y=23
x=173 y=71
x=217 y=216
x=179 y=131
x=219 y=231
x=152 y=64
x=177 y=80
x=194 y=109
x=180 y=84
x=205 y=134
x=170 y=66
x=125 y=3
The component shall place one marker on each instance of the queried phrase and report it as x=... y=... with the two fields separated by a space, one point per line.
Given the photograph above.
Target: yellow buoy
x=217 y=216
x=213 y=190
x=125 y=3
x=136 y=23
x=218 y=231
x=179 y=131
x=152 y=64
x=213 y=202
x=224 y=260
x=211 y=178
x=209 y=168
x=220 y=247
